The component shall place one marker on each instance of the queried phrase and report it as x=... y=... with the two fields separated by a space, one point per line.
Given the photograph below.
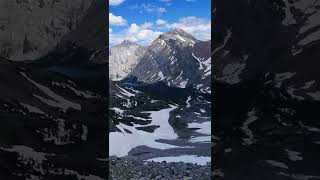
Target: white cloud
x=161 y=10
x=134 y=7
x=145 y=33
x=116 y=20
x=191 y=0
x=161 y=22
x=115 y=2
x=153 y=8
x=150 y=8
x=200 y=28
x=110 y=30
x=147 y=25
x=142 y=34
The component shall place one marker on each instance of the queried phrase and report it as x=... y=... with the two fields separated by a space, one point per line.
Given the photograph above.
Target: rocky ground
x=125 y=168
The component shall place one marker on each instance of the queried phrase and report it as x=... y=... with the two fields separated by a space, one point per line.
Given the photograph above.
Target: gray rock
x=125 y=168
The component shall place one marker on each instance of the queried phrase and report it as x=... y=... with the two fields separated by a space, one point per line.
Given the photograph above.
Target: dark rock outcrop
x=266 y=83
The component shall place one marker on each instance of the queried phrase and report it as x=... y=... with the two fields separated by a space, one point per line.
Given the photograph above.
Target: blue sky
x=142 y=21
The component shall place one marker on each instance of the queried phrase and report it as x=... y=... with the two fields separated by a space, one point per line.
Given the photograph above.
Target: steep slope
x=201 y=52
x=266 y=84
x=30 y=29
x=123 y=58
x=273 y=49
x=90 y=33
x=178 y=59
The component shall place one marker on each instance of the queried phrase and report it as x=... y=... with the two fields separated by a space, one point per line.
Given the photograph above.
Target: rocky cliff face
x=30 y=29
x=178 y=59
x=123 y=58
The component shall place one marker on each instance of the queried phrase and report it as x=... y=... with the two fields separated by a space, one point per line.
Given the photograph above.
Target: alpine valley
x=160 y=105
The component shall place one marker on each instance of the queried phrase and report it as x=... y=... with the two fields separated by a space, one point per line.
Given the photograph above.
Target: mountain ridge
x=40 y=29
x=171 y=58
x=123 y=58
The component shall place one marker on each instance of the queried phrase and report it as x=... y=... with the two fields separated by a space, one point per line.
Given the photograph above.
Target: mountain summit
x=178 y=59
x=127 y=43
x=123 y=58
x=177 y=35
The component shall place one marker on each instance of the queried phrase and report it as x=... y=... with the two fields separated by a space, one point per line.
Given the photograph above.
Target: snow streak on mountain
x=178 y=59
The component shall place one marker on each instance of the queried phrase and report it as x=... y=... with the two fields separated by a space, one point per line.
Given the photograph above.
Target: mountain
x=272 y=49
x=266 y=84
x=94 y=40
x=156 y=110
x=30 y=29
x=149 y=121
x=123 y=58
x=178 y=59
x=52 y=108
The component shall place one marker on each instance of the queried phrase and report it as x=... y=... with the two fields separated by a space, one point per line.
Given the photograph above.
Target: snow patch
x=277 y=164
x=188 y=102
x=293 y=155
x=59 y=101
x=245 y=128
x=139 y=138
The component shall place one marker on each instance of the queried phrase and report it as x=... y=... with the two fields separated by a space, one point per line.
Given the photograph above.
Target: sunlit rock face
x=30 y=29
x=123 y=58
x=177 y=59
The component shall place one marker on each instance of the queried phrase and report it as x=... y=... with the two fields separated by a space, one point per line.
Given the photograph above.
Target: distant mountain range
x=123 y=58
x=175 y=58
x=173 y=72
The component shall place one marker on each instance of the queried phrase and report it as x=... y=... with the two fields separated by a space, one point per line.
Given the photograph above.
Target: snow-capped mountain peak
x=177 y=59
x=177 y=35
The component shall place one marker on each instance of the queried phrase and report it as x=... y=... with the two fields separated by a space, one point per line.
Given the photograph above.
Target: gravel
x=125 y=168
